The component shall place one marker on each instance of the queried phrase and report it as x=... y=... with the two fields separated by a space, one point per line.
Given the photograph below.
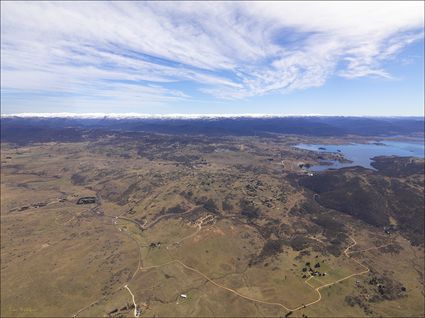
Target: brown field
x=222 y=222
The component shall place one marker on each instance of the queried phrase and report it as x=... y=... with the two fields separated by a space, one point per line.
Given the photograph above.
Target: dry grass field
x=192 y=227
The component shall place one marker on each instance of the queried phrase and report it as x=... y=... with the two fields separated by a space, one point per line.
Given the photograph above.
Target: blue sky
x=332 y=58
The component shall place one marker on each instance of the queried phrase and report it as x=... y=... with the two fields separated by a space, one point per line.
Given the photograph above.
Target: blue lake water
x=361 y=154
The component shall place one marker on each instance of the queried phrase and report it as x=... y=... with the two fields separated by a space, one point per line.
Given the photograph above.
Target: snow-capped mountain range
x=165 y=116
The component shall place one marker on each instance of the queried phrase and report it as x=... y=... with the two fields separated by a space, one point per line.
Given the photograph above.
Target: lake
x=361 y=154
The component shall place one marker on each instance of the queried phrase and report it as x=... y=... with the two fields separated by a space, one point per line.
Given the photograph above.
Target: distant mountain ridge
x=41 y=129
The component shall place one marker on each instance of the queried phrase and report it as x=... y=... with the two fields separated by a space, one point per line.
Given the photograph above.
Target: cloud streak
x=146 y=52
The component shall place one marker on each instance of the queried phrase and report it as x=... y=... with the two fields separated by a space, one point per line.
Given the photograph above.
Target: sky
x=330 y=58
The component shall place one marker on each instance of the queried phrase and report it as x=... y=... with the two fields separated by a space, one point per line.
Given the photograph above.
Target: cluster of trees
x=248 y=209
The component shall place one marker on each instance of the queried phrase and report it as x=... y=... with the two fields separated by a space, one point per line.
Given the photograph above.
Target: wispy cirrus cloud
x=142 y=52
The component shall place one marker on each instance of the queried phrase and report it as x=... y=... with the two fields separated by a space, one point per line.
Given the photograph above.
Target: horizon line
x=185 y=115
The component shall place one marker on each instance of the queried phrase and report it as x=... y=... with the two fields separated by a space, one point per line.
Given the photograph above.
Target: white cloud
x=130 y=51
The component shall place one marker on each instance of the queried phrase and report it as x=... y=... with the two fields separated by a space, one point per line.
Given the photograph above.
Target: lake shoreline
x=362 y=154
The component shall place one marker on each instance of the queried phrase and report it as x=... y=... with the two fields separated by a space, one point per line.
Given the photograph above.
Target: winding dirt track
x=317 y=289
x=121 y=287
x=215 y=283
x=169 y=215
x=199 y=228
x=347 y=254
x=134 y=302
x=139 y=266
